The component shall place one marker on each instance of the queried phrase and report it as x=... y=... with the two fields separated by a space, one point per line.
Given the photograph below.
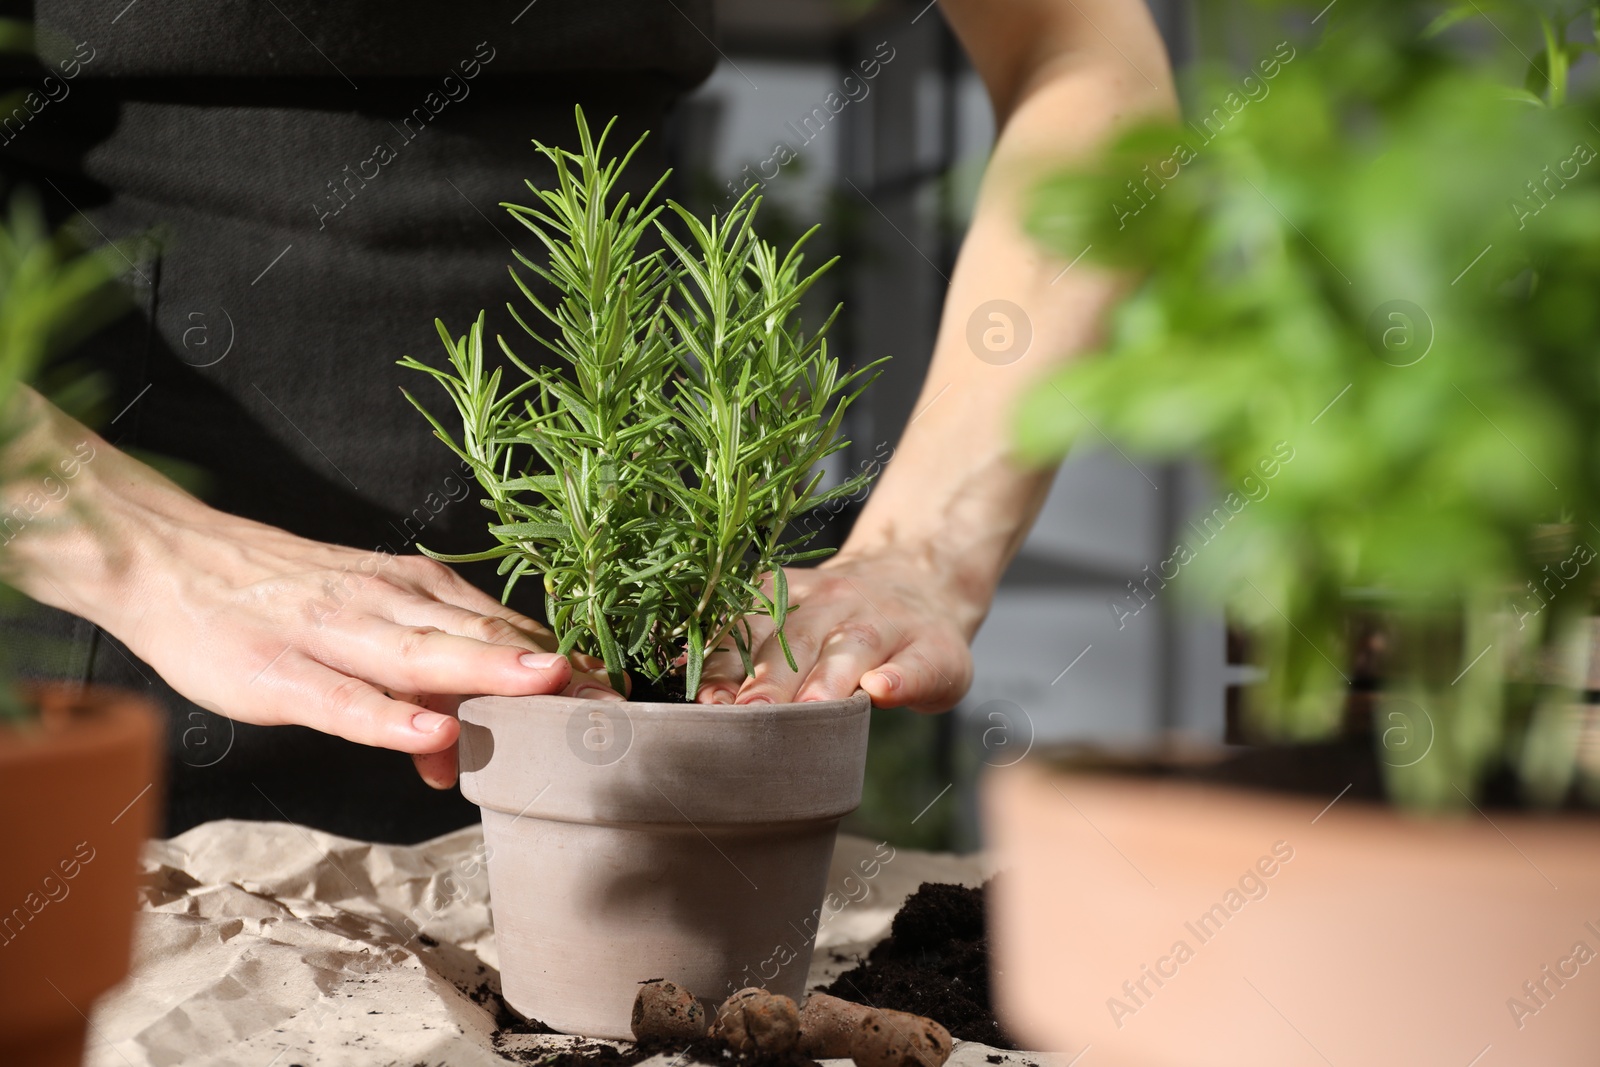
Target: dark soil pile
x=935 y=963
x=669 y=689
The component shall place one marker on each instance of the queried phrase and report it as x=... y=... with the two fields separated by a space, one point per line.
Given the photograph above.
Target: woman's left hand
x=879 y=622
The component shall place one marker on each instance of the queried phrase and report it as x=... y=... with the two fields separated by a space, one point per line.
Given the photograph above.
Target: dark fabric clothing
x=360 y=39
x=318 y=183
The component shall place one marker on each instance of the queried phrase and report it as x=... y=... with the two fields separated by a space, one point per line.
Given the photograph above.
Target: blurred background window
x=868 y=118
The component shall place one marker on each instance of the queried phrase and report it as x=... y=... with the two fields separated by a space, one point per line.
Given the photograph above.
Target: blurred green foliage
x=53 y=294
x=1379 y=245
x=908 y=797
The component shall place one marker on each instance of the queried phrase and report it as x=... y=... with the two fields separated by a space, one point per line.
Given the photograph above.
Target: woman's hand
x=270 y=628
x=266 y=627
x=880 y=622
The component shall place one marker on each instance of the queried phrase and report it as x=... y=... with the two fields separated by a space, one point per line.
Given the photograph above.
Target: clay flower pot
x=1165 y=922
x=80 y=791
x=628 y=842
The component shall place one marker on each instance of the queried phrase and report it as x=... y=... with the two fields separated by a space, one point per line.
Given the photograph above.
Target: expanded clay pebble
x=666 y=1011
x=899 y=1039
x=753 y=1020
x=828 y=1026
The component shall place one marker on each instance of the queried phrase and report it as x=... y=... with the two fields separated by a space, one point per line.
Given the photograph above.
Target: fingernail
x=757 y=700
x=428 y=722
x=891 y=680
x=594 y=692
x=540 y=661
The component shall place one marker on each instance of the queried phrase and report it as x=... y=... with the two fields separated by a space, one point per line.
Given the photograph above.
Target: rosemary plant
x=650 y=473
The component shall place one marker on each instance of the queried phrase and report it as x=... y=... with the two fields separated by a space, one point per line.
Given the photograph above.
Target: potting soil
x=934 y=963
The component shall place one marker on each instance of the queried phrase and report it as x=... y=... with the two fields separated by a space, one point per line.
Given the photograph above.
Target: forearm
x=953 y=499
x=255 y=622
x=73 y=515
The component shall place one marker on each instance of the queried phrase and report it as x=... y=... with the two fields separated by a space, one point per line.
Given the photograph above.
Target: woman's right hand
x=266 y=627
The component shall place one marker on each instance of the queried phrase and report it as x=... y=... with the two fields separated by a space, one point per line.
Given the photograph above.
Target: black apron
x=319 y=182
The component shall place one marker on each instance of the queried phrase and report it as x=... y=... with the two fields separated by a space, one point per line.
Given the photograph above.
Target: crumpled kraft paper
x=271 y=945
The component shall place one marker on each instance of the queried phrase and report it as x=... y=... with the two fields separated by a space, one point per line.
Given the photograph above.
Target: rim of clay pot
x=810 y=708
x=1304 y=773
x=613 y=761
x=75 y=719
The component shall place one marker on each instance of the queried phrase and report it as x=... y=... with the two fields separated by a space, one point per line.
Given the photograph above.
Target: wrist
x=78 y=518
x=963 y=584
x=953 y=522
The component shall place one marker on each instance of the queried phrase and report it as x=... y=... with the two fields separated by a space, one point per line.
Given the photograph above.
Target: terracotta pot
x=1166 y=922
x=80 y=791
x=635 y=841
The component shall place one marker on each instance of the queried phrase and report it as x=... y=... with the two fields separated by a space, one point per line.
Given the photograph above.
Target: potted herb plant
x=1370 y=268
x=648 y=479
x=79 y=765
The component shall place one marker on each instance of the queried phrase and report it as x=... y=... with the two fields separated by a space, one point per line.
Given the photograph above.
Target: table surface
x=270 y=945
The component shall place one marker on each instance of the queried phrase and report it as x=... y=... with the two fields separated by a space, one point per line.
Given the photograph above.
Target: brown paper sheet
x=271 y=945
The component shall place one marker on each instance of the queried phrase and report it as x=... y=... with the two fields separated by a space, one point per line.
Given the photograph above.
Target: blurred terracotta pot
x=80 y=790
x=627 y=842
x=1167 y=923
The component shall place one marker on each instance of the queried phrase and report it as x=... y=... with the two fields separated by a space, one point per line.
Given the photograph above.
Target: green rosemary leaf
x=517 y=572
x=542 y=483
x=694 y=660
x=469 y=557
x=783 y=643
x=791 y=558
x=531 y=530
x=644 y=622
x=780 y=600
x=608 y=650
x=655 y=569
x=742 y=643
x=569 y=641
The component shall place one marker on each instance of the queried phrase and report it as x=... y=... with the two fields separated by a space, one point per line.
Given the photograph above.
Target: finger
x=590 y=679
x=588 y=687
x=438 y=769
x=923 y=677
x=723 y=671
x=443 y=586
x=304 y=691
x=720 y=677
x=422 y=659
x=505 y=627
x=512 y=628
x=852 y=648
x=773 y=681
